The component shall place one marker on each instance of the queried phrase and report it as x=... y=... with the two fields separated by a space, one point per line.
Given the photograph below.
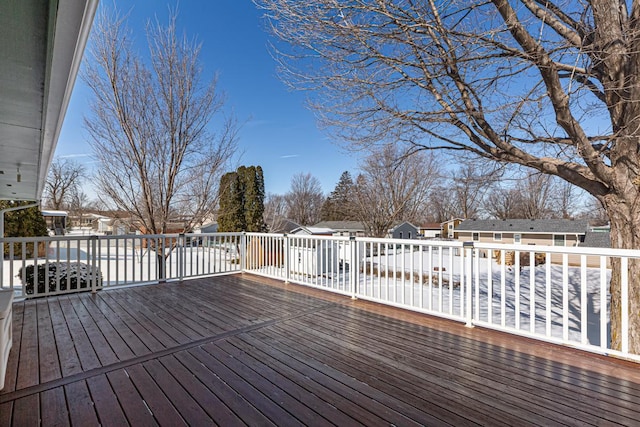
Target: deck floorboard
x=243 y=350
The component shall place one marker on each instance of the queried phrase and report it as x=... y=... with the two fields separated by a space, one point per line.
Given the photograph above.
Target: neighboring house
x=550 y=232
x=311 y=257
x=344 y=228
x=211 y=227
x=449 y=228
x=403 y=230
x=315 y=259
x=56 y=221
x=430 y=230
x=90 y=222
x=545 y=232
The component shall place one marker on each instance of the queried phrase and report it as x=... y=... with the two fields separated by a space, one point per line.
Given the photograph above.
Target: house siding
x=533 y=240
x=404 y=231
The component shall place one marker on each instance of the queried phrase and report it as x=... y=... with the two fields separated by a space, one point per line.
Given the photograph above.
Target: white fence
x=555 y=294
x=75 y=263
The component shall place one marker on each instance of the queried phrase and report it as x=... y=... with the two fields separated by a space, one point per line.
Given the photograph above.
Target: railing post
x=243 y=251
x=94 y=264
x=468 y=284
x=181 y=258
x=354 y=266
x=287 y=249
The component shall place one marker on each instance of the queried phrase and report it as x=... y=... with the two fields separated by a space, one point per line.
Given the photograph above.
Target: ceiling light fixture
x=19 y=177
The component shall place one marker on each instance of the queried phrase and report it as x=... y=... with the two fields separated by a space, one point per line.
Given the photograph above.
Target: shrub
x=75 y=275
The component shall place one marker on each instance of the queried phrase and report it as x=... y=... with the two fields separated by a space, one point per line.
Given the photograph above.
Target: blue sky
x=279 y=133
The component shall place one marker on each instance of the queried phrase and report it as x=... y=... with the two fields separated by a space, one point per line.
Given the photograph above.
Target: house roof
x=314 y=231
x=342 y=225
x=51 y=212
x=534 y=226
x=597 y=239
x=395 y=226
x=284 y=226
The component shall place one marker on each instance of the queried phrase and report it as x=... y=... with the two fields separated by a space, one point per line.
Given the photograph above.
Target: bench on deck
x=6 y=331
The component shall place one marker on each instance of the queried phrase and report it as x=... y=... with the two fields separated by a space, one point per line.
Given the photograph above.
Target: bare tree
x=534 y=196
x=62 y=183
x=461 y=193
x=522 y=82
x=304 y=199
x=275 y=212
x=442 y=207
x=503 y=203
x=566 y=197
x=470 y=184
x=595 y=212
x=150 y=125
x=393 y=187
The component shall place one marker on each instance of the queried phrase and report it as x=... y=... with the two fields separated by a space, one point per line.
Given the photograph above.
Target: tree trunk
x=625 y=234
x=161 y=265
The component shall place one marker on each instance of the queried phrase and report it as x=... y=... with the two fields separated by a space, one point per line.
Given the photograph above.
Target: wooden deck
x=241 y=350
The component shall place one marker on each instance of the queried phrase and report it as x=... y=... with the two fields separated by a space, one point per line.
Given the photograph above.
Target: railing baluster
x=565 y=297
x=532 y=292
x=583 y=300
x=503 y=289
x=476 y=280
x=548 y=294
x=624 y=303
x=489 y=287
x=516 y=273
x=603 y=303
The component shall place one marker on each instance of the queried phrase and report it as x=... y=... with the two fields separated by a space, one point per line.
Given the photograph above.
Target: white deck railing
x=555 y=294
x=77 y=263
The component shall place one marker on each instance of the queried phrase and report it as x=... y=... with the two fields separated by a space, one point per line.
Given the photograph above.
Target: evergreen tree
x=242 y=200
x=231 y=213
x=254 y=199
x=339 y=205
x=22 y=223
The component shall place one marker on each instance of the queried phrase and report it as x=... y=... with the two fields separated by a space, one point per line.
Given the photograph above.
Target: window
x=409 y=237
x=475 y=236
x=559 y=240
x=450 y=226
x=517 y=238
x=497 y=237
x=400 y=234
